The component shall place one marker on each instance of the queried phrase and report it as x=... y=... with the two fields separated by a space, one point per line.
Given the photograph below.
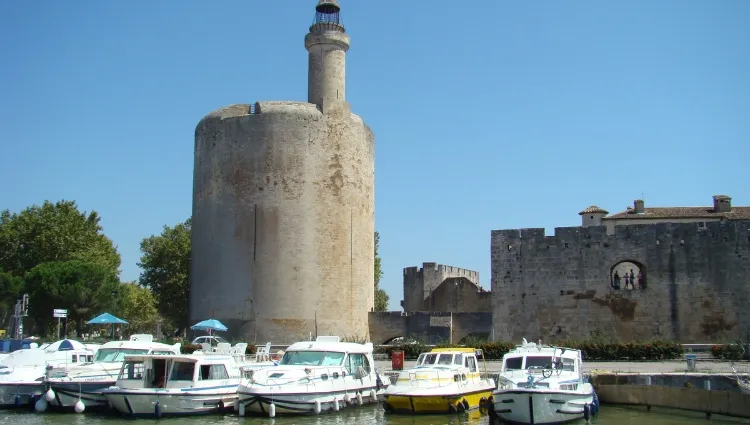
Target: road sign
x=58 y=312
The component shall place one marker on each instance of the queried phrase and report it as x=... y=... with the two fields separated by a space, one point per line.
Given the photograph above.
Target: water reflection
x=371 y=415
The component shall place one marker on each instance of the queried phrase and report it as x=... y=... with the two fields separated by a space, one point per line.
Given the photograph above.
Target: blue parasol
x=209 y=325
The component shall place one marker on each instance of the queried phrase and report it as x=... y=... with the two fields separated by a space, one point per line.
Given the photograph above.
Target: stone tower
x=283 y=207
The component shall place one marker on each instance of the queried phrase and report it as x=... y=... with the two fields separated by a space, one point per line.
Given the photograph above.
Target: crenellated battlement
x=664 y=232
x=421 y=282
x=686 y=281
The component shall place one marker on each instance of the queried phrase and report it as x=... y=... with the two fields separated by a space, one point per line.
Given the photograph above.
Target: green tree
x=165 y=261
x=137 y=305
x=10 y=292
x=381 y=298
x=84 y=289
x=53 y=232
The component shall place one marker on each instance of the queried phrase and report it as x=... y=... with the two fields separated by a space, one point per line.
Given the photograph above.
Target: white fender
x=271 y=410
x=80 y=407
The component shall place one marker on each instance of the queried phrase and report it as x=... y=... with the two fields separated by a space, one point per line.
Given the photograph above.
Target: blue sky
x=487 y=114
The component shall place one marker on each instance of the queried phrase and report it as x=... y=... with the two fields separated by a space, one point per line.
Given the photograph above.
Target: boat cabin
x=175 y=371
x=115 y=351
x=451 y=357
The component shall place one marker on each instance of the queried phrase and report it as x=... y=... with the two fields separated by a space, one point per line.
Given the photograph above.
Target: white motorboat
x=22 y=372
x=444 y=380
x=175 y=385
x=313 y=377
x=541 y=384
x=80 y=387
x=8 y=346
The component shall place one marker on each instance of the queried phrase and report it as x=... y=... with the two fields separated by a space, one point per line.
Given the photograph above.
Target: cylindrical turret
x=283 y=209
x=327 y=43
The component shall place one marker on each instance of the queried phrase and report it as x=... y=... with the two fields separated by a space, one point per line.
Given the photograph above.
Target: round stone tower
x=283 y=208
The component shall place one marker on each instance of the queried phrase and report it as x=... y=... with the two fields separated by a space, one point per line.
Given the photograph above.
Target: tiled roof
x=737 y=213
x=593 y=209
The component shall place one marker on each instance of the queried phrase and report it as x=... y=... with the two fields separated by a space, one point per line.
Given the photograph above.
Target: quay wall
x=723 y=397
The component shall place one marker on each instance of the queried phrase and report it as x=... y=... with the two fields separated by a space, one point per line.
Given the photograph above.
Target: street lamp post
x=113 y=294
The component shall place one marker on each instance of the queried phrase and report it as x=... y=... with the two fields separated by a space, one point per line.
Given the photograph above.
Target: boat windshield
x=313 y=358
x=538 y=361
x=116 y=354
x=440 y=359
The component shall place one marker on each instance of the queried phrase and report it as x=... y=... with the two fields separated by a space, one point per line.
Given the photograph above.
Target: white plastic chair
x=206 y=347
x=223 y=347
x=238 y=351
x=263 y=353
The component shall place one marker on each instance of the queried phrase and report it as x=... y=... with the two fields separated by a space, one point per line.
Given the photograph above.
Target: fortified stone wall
x=419 y=283
x=430 y=328
x=459 y=294
x=283 y=222
x=694 y=284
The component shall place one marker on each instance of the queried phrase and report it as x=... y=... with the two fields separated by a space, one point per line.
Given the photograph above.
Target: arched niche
x=628 y=275
x=395 y=340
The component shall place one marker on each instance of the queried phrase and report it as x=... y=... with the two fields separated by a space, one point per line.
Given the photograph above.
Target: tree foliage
x=138 y=306
x=165 y=261
x=10 y=292
x=53 y=232
x=381 y=298
x=84 y=289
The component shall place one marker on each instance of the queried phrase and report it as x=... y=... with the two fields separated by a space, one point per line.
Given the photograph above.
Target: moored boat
x=22 y=372
x=444 y=380
x=79 y=387
x=313 y=377
x=542 y=384
x=175 y=385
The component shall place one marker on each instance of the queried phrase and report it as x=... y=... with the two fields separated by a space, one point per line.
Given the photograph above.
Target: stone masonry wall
x=459 y=294
x=419 y=283
x=554 y=287
x=430 y=328
x=283 y=222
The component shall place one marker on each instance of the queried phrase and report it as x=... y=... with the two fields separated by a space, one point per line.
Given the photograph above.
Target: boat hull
x=520 y=406
x=20 y=395
x=258 y=403
x=436 y=403
x=67 y=394
x=164 y=403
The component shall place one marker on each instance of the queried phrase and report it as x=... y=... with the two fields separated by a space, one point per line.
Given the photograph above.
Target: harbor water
x=369 y=415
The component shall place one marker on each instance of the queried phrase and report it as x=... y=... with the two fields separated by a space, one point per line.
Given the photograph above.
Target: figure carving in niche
x=630 y=274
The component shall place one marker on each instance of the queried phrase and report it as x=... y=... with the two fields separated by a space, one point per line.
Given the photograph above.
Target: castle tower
x=327 y=44
x=283 y=208
x=593 y=216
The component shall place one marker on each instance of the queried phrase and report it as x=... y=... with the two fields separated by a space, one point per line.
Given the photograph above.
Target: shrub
x=592 y=350
x=728 y=351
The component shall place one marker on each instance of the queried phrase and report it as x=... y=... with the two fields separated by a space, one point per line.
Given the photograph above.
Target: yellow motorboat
x=444 y=380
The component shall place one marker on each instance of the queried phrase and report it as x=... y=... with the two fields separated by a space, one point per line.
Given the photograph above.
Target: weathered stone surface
x=421 y=282
x=283 y=210
x=428 y=327
x=559 y=287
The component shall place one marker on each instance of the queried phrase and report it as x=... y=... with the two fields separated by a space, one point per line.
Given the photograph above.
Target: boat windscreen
x=513 y=363
x=445 y=359
x=116 y=354
x=538 y=361
x=312 y=358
